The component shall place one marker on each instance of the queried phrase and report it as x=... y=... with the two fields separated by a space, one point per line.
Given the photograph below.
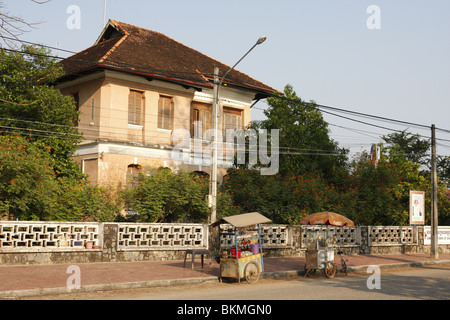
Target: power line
x=318 y=106
x=38 y=44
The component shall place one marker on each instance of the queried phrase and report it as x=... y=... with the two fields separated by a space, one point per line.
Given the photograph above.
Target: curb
x=14 y=294
x=399 y=265
x=357 y=269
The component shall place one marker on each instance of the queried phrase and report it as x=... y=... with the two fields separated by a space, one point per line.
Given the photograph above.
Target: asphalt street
x=423 y=283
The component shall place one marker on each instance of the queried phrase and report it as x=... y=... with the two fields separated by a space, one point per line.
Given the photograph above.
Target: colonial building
x=139 y=92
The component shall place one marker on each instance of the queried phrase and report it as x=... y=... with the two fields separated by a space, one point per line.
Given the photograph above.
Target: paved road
x=408 y=284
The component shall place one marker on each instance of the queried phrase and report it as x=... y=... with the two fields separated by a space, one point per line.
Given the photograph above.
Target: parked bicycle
x=343 y=268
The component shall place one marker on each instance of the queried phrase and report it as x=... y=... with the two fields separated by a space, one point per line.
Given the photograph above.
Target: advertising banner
x=443 y=235
x=417 y=208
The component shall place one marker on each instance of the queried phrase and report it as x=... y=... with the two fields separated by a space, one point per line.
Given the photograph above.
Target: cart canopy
x=243 y=220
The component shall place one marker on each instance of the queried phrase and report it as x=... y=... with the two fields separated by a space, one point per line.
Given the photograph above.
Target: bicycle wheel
x=330 y=269
x=343 y=265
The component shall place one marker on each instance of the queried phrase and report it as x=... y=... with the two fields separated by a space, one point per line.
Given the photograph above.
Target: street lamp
x=260 y=41
x=215 y=123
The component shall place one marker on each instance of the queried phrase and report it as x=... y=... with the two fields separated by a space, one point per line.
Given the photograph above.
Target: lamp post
x=212 y=198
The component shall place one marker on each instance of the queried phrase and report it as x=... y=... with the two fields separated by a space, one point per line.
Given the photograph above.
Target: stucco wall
x=111 y=144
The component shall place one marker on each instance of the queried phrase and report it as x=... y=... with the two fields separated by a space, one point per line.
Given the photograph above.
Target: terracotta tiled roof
x=131 y=49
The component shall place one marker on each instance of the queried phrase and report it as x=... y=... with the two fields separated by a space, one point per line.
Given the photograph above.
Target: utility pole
x=434 y=186
x=213 y=171
x=212 y=197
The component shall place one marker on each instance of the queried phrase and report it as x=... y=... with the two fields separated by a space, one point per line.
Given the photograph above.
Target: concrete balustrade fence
x=66 y=242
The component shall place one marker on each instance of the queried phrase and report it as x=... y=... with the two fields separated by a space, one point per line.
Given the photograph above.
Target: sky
x=379 y=57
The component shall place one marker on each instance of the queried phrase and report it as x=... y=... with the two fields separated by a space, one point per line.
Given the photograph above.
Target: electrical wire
x=358 y=114
x=354 y=113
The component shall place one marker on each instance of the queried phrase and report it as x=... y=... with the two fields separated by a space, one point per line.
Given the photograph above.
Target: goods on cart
x=242 y=257
x=320 y=252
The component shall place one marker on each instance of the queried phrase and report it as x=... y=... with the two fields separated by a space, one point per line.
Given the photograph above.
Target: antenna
x=104 y=13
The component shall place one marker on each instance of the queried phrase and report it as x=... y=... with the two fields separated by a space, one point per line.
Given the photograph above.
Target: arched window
x=133 y=171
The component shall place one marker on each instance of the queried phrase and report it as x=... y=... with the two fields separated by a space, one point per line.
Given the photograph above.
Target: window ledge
x=164 y=130
x=135 y=126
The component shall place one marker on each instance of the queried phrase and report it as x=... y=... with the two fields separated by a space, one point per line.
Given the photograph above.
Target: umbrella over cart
x=242 y=257
x=327 y=218
x=320 y=251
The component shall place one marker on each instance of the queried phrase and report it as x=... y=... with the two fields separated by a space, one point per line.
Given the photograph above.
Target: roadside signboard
x=443 y=235
x=417 y=208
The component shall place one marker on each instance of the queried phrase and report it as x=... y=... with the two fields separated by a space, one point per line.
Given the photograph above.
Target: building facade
x=142 y=95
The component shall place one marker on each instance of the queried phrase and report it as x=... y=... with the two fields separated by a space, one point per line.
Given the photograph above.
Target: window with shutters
x=165 y=113
x=232 y=120
x=201 y=119
x=136 y=108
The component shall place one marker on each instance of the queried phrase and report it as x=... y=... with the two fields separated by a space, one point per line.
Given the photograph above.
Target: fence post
x=213 y=240
x=110 y=240
x=364 y=238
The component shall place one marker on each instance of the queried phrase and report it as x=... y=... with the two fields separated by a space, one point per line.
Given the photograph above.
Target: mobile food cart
x=320 y=253
x=241 y=251
x=320 y=244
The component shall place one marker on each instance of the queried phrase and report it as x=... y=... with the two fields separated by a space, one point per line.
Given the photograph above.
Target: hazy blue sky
x=324 y=48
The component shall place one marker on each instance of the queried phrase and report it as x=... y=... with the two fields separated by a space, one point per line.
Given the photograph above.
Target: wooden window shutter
x=200 y=113
x=160 y=113
x=165 y=113
x=135 y=102
x=232 y=119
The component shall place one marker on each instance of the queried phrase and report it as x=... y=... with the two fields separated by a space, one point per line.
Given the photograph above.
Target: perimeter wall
x=66 y=242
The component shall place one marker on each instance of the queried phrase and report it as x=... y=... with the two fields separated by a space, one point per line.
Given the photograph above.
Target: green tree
x=31 y=190
x=380 y=193
x=27 y=181
x=305 y=144
x=84 y=202
x=411 y=146
x=30 y=105
x=165 y=196
x=443 y=169
x=283 y=199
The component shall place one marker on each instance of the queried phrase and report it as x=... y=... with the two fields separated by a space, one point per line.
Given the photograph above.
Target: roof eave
x=260 y=93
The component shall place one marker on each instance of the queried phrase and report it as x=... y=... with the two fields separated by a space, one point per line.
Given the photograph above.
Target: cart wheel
x=330 y=269
x=251 y=272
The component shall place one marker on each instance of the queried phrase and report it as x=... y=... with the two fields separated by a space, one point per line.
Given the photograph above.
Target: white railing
x=272 y=236
x=161 y=236
x=344 y=236
x=54 y=236
x=38 y=236
x=392 y=236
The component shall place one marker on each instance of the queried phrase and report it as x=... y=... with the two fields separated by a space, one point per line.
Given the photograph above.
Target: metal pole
x=104 y=13
x=213 y=171
x=434 y=186
x=212 y=197
x=260 y=247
